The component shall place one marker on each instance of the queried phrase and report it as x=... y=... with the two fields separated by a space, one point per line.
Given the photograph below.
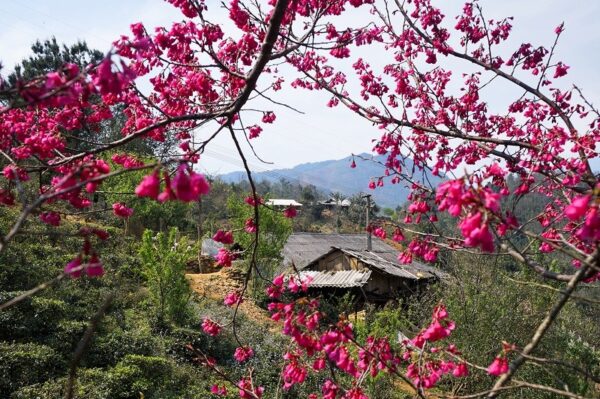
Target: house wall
x=379 y=284
x=385 y=285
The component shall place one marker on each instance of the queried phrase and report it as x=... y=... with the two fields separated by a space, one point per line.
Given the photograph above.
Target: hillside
x=337 y=175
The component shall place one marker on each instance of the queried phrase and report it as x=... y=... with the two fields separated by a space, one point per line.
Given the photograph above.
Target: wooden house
x=340 y=262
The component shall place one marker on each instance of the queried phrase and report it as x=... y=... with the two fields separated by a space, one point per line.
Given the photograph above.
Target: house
x=332 y=202
x=283 y=203
x=341 y=262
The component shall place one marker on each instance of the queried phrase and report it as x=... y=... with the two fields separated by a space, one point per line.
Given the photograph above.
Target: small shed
x=374 y=275
x=377 y=278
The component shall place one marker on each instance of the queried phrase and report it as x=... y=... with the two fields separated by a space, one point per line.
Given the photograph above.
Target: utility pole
x=369 y=244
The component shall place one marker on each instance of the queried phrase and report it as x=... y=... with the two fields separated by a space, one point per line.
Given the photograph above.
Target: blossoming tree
x=202 y=76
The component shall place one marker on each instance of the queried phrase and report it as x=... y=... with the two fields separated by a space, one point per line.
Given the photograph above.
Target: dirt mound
x=218 y=284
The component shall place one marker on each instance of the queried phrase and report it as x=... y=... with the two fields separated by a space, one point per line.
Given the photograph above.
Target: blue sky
x=320 y=133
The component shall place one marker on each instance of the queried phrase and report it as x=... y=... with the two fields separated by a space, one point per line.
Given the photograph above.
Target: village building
x=342 y=262
x=283 y=203
x=332 y=203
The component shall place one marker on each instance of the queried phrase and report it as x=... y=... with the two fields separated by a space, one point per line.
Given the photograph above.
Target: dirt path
x=218 y=284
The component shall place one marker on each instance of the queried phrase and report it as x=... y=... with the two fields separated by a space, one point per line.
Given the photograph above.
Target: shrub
x=164 y=259
x=150 y=376
x=26 y=364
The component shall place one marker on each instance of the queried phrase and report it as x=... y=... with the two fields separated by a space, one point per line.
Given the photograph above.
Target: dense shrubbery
x=490 y=306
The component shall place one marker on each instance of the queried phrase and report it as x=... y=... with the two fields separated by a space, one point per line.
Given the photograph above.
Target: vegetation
x=164 y=257
x=92 y=162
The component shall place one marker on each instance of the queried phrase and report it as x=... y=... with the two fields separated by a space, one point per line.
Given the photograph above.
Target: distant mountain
x=337 y=175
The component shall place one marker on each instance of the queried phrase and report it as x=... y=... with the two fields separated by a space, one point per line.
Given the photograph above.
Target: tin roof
x=282 y=202
x=411 y=272
x=338 y=279
x=302 y=248
x=210 y=247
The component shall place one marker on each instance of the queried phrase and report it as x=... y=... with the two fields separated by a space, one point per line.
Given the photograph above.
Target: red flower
x=224 y=237
x=232 y=298
x=250 y=226
x=94 y=267
x=210 y=327
x=189 y=185
x=121 y=210
x=498 y=367
x=290 y=212
x=51 y=218
x=461 y=370
x=224 y=257
x=243 y=353
x=578 y=207
x=149 y=186
x=73 y=268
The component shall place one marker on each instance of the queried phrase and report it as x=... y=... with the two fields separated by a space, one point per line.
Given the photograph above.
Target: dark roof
x=414 y=271
x=338 y=279
x=302 y=248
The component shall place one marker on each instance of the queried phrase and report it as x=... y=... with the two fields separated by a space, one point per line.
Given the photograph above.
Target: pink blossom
x=189 y=185
x=498 y=367
x=290 y=212
x=380 y=232
x=94 y=267
x=121 y=210
x=50 y=217
x=476 y=232
x=250 y=200
x=418 y=207
x=243 y=353
x=451 y=196
x=461 y=370
x=590 y=230
x=398 y=236
x=491 y=200
x=560 y=70
x=437 y=331
x=578 y=207
x=210 y=327
x=248 y=391
x=268 y=117
x=127 y=161
x=405 y=258
x=218 y=390
x=109 y=81
x=73 y=268
x=250 y=226
x=224 y=237
x=224 y=257
x=149 y=186
x=495 y=170
x=6 y=198
x=13 y=172
x=232 y=298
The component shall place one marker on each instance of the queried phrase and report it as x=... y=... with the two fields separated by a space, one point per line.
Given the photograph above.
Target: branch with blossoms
x=201 y=78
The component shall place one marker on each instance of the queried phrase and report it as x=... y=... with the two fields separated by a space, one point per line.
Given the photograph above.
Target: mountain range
x=337 y=176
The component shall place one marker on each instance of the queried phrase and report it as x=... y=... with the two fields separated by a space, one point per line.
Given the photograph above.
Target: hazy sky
x=320 y=133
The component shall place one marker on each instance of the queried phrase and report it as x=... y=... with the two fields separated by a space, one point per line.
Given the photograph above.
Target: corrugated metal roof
x=411 y=272
x=302 y=248
x=283 y=202
x=338 y=279
x=210 y=247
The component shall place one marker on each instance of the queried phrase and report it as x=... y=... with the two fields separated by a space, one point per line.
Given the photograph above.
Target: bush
x=111 y=346
x=164 y=260
x=150 y=376
x=26 y=364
